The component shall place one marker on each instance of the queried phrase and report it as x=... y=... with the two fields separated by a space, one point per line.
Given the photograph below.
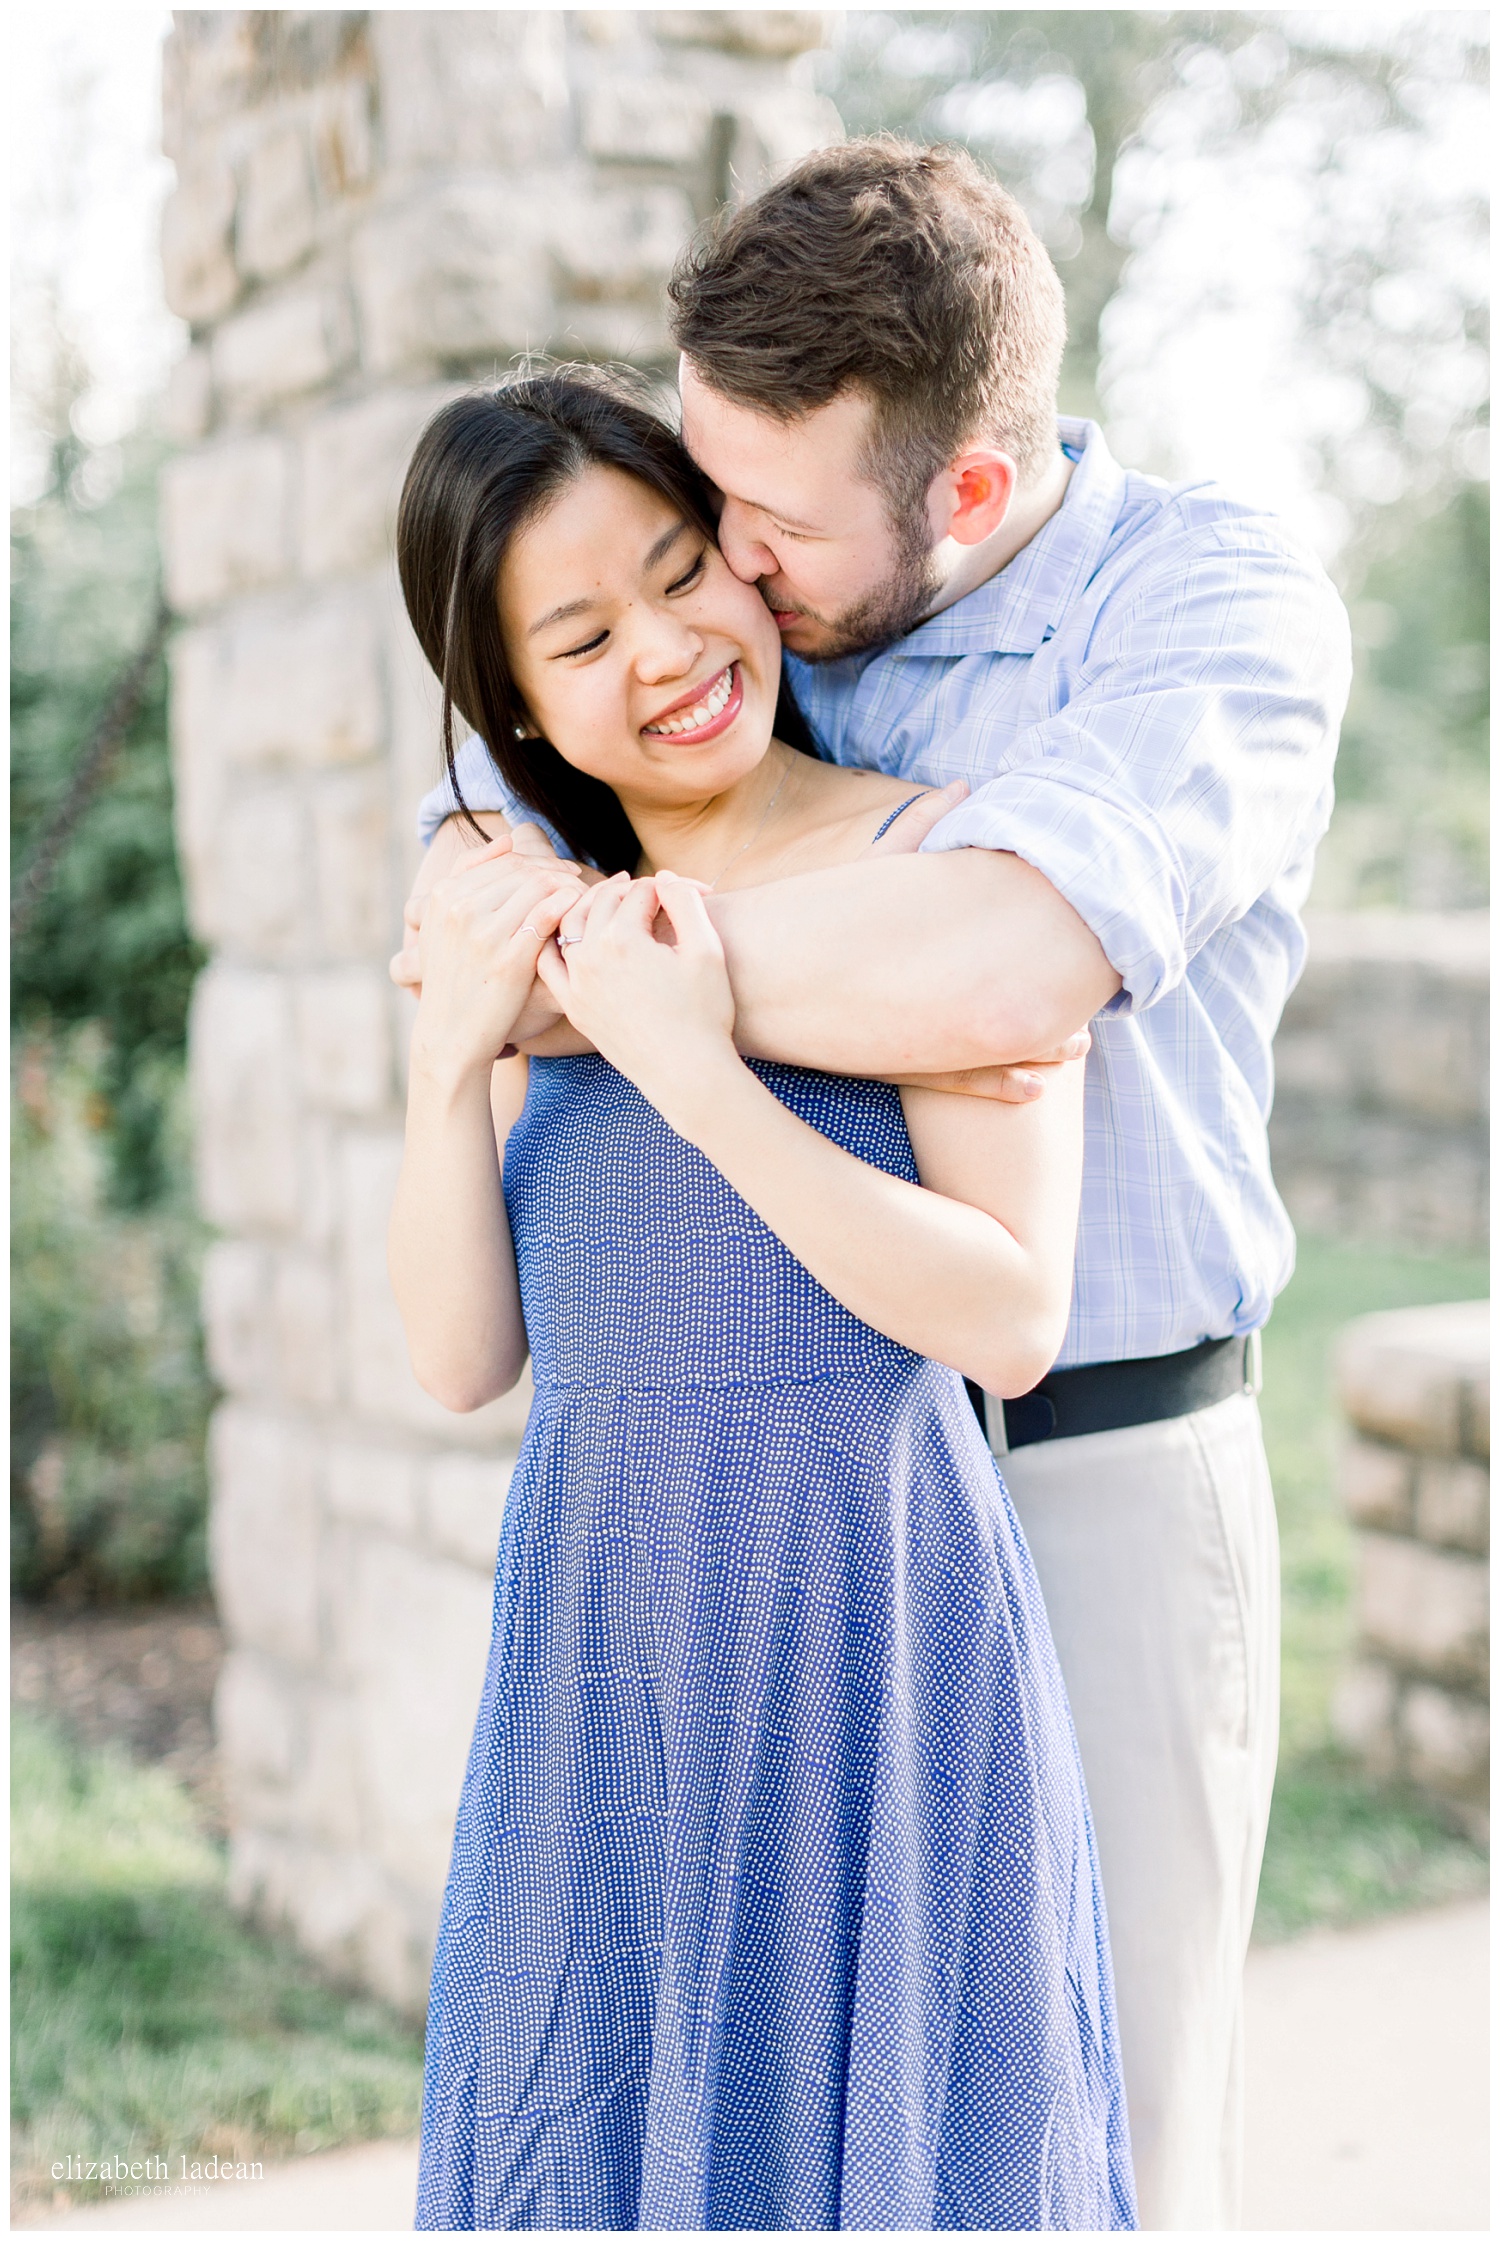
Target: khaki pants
x=1156 y=1548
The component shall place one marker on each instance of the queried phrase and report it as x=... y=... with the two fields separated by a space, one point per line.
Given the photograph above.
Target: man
x=1142 y=687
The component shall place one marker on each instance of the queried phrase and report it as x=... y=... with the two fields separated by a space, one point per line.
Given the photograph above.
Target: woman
x=773 y=1901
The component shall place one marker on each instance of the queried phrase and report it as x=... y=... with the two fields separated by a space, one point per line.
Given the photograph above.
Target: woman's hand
x=451 y=845
x=661 y=1012
x=483 y=929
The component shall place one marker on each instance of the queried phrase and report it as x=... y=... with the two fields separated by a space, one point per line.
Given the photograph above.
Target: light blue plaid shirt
x=1146 y=705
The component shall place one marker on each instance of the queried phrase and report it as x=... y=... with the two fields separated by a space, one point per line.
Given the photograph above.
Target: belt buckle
x=1252 y=1373
x=1036 y=1419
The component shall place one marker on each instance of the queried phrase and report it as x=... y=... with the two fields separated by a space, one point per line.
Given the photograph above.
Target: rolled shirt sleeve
x=483 y=788
x=1190 y=752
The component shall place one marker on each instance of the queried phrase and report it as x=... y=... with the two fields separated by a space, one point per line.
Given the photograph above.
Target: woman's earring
x=520 y=731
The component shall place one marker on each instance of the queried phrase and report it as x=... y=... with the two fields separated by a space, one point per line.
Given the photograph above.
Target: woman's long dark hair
x=484 y=467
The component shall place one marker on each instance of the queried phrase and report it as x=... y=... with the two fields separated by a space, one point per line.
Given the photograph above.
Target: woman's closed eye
x=571 y=653
x=691 y=575
x=687 y=581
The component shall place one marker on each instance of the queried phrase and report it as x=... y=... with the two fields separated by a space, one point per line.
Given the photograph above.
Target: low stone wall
x=1415 y=1480
x=1381 y=1123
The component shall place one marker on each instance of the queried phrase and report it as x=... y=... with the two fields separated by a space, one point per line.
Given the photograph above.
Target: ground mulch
x=141 y=1677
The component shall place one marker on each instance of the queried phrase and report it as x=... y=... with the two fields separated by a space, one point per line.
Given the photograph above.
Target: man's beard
x=908 y=594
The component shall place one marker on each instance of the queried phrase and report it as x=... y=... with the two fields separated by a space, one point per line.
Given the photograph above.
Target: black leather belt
x=1105 y=1396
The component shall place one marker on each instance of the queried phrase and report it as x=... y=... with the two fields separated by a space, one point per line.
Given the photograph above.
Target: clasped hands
x=514 y=940
x=640 y=973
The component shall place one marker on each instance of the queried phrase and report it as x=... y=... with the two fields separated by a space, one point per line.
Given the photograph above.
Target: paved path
x=1367 y=2078
x=350 y=2190
x=1366 y=2091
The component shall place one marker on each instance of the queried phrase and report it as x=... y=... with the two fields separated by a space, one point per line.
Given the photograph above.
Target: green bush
x=109 y=942
x=109 y=1394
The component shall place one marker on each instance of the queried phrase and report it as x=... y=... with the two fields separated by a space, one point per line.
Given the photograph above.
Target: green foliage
x=146 y=2018
x=109 y=1395
x=110 y=941
x=1341 y=1850
x=1337 y=1848
x=1413 y=823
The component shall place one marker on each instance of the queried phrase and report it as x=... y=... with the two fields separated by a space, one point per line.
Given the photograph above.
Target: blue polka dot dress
x=773 y=1903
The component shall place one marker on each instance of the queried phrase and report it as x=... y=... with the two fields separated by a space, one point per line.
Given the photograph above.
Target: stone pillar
x=372 y=208
x=1381 y=1123
x=1415 y=1481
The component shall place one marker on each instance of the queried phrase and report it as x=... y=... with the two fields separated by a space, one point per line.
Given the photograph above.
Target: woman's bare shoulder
x=859 y=788
x=842 y=810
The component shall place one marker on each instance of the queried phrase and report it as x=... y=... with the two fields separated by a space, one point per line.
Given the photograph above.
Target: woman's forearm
x=934 y=1274
x=452 y=1264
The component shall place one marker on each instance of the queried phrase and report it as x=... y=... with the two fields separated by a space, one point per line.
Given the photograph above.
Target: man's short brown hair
x=902 y=271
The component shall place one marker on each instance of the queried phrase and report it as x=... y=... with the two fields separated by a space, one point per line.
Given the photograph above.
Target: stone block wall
x=1380 y=1128
x=372 y=207
x=1415 y=1481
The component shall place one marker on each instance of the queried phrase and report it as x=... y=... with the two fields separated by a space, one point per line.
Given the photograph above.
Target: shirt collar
x=1018 y=609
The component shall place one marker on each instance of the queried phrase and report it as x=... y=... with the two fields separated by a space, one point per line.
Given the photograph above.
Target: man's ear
x=972 y=495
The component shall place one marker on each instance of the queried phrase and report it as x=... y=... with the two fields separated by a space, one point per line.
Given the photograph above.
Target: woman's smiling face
x=640 y=655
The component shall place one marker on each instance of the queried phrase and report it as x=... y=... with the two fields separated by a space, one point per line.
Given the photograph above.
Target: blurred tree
x=1314 y=189
x=1412 y=827
x=109 y=1393
x=1047 y=98
x=108 y=941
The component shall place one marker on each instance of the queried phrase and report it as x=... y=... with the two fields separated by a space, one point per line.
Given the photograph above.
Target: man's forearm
x=913 y=964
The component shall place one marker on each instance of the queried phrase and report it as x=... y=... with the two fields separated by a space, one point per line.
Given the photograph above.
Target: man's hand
x=1007 y=1085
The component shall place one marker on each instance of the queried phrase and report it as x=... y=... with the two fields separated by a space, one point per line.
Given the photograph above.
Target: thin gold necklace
x=760 y=826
